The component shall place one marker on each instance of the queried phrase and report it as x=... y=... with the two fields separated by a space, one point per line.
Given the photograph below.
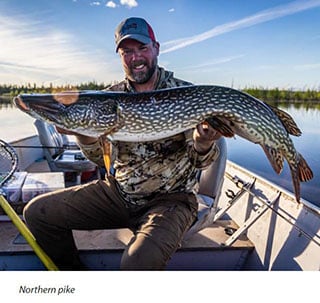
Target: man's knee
x=143 y=253
x=34 y=209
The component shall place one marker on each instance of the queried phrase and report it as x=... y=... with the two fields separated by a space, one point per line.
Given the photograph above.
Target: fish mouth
x=27 y=103
x=20 y=104
x=50 y=103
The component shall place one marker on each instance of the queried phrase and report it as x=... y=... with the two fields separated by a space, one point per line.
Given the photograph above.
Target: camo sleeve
x=203 y=161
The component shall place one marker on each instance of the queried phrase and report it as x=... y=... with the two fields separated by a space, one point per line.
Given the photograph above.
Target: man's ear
x=156 y=44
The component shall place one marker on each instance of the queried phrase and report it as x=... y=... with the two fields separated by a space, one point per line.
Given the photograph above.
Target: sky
x=247 y=43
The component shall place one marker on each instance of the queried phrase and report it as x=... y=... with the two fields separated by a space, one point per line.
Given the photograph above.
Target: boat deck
x=102 y=249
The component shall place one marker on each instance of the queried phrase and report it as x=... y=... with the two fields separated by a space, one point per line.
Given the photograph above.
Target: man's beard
x=142 y=77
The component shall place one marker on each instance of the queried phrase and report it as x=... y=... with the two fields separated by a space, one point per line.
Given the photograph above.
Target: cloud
x=95 y=3
x=129 y=3
x=260 y=17
x=111 y=4
x=34 y=52
x=171 y=10
x=214 y=62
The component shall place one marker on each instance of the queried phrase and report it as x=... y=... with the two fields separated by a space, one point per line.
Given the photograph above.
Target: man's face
x=139 y=60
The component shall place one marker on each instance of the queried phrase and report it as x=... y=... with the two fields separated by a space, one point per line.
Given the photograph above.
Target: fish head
x=39 y=106
x=91 y=114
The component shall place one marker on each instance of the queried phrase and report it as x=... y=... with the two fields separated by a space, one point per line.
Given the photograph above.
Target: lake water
x=15 y=125
x=253 y=158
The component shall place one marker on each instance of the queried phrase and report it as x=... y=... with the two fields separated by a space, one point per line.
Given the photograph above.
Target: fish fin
x=302 y=173
x=287 y=121
x=106 y=147
x=220 y=126
x=305 y=172
x=275 y=158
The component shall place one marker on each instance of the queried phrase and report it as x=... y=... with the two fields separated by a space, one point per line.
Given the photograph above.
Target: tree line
x=11 y=90
x=276 y=94
x=265 y=94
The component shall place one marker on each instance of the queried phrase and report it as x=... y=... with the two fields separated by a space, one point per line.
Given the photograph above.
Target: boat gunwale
x=307 y=204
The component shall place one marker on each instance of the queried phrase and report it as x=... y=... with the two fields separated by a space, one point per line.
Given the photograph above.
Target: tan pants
x=158 y=228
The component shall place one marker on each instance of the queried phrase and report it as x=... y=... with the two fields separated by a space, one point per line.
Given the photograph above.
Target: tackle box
x=40 y=183
x=13 y=188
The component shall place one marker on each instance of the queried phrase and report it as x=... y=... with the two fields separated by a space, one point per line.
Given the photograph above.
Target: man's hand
x=81 y=138
x=203 y=137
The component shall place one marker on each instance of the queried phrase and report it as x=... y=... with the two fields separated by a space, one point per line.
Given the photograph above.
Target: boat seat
x=209 y=190
x=61 y=155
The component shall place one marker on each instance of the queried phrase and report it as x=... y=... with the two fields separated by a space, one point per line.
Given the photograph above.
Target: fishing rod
x=280 y=212
x=67 y=147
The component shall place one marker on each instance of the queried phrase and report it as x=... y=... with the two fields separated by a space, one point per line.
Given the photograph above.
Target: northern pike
x=163 y=113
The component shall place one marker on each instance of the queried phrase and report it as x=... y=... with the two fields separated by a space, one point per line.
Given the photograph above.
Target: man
x=152 y=189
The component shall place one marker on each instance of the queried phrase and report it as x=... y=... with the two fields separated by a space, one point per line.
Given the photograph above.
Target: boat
x=255 y=225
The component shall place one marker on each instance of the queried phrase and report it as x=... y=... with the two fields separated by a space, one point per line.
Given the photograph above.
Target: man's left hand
x=203 y=137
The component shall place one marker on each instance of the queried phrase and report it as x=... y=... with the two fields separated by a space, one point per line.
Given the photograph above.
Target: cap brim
x=140 y=38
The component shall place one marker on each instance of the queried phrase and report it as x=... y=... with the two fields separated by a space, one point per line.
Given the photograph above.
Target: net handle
x=20 y=225
x=14 y=161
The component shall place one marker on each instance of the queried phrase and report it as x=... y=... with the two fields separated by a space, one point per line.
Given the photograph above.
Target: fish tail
x=305 y=172
x=302 y=172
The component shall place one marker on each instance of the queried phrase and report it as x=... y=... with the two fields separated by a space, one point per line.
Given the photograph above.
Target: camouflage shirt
x=144 y=169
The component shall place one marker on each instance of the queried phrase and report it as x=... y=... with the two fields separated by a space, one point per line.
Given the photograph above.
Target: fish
x=154 y=115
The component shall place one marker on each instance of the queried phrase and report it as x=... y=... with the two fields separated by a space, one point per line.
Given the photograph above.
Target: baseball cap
x=134 y=28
